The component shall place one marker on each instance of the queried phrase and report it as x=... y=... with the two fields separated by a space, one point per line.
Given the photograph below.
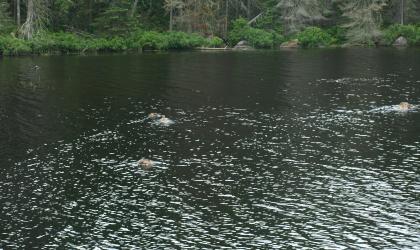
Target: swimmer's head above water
x=146 y=163
x=405 y=106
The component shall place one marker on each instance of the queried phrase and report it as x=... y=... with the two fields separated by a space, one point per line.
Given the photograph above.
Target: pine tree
x=172 y=6
x=363 y=20
x=205 y=16
x=403 y=11
x=297 y=14
x=117 y=19
x=36 y=18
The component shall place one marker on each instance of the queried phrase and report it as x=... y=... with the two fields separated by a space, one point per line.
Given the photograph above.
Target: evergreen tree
x=62 y=18
x=403 y=12
x=206 y=16
x=117 y=19
x=172 y=7
x=363 y=19
x=297 y=14
x=36 y=18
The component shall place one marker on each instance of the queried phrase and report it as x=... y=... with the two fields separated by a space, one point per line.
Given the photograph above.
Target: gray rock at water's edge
x=244 y=45
x=401 y=42
x=292 y=44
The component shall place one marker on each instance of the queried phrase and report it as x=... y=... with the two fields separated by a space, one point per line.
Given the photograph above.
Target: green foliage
x=338 y=33
x=269 y=21
x=410 y=32
x=239 y=31
x=120 y=25
x=115 y=44
x=258 y=38
x=61 y=17
x=151 y=40
x=215 y=42
x=115 y=21
x=60 y=42
x=181 y=40
x=277 y=38
x=313 y=37
x=45 y=43
x=13 y=46
x=170 y=40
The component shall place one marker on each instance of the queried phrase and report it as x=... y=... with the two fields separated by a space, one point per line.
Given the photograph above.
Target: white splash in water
x=164 y=121
x=393 y=109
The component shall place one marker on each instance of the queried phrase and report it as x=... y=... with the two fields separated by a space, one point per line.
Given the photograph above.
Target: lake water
x=269 y=149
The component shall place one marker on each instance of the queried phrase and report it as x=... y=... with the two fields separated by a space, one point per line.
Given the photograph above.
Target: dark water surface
x=268 y=150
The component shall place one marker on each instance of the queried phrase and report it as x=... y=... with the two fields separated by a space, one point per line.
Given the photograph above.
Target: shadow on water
x=268 y=149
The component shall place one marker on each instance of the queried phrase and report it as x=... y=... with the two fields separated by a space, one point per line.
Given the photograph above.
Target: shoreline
x=86 y=52
x=151 y=41
x=198 y=49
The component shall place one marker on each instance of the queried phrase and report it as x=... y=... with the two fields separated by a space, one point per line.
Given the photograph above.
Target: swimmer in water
x=146 y=163
x=160 y=119
x=154 y=116
x=405 y=106
x=164 y=121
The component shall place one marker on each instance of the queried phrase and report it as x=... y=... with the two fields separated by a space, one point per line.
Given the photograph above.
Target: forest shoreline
x=198 y=50
x=37 y=27
x=143 y=41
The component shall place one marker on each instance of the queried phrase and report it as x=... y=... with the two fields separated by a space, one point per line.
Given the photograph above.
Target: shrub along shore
x=67 y=43
x=311 y=37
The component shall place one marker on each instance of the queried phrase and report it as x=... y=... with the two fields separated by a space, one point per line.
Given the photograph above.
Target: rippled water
x=267 y=150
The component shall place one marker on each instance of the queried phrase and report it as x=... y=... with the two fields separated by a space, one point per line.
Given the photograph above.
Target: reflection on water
x=268 y=150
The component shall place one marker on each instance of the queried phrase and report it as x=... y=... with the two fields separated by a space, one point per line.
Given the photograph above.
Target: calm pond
x=269 y=149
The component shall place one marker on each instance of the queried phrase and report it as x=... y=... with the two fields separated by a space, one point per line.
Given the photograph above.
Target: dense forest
x=41 y=26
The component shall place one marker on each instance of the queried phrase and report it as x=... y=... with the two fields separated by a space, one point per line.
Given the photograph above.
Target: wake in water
x=164 y=121
x=160 y=120
x=400 y=108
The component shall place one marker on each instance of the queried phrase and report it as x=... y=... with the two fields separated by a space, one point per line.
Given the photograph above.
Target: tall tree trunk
x=226 y=18
x=150 y=10
x=402 y=12
x=171 y=17
x=133 y=8
x=248 y=9
x=28 y=28
x=90 y=15
x=18 y=13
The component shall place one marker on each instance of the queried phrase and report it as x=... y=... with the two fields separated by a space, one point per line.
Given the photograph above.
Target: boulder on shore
x=292 y=44
x=401 y=42
x=243 y=45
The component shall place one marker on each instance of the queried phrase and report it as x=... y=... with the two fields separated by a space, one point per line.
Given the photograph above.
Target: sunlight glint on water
x=267 y=150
